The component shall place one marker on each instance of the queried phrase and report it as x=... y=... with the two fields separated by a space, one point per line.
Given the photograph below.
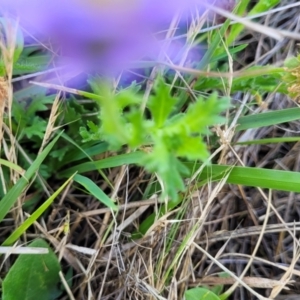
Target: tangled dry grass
x=250 y=233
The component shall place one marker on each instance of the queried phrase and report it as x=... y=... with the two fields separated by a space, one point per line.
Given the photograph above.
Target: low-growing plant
x=164 y=137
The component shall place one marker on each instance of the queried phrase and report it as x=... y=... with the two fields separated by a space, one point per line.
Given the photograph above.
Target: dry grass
x=250 y=233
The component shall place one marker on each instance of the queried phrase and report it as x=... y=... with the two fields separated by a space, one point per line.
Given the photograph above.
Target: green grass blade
x=209 y=54
x=178 y=254
x=85 y=151
x=110 y=162
x=261 y=6
x=237 y=28
x=271 y=141
x=231 y=51
x=29 y=65
x=11 y=166
x=256 y=177
x=11 y=197
x=91 y=187
x=268 y=118
x=28 y=222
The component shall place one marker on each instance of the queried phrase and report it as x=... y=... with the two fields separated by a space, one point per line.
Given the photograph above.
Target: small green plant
x=164 y=137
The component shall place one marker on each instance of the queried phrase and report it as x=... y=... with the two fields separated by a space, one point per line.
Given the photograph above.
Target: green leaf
x=200 y=115
x=268 y=118
x=35 y=215
x=83 y=151
x=31 y=64
x=217 y=289
x=135 y=128
x=29 y=124
x=193 y=148
x=92 y=188
x=230 y=51
x=124 y=98
x=162 y=104
x=33 y=276
x=12 y=196
x=271 y=141
x=261 y=6
x=216 y=40
x=167 y=166
x=11 y=166
x=110 y=162
x=112 y=120
x=256 y=177
x=128 y=97
x=93 y=134
x=37 y=128
x=269 y=79
x=200 y=294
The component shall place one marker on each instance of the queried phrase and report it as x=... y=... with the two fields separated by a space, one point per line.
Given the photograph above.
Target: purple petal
x=106 y=37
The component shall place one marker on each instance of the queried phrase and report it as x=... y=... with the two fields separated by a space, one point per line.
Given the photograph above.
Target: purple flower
x=101 y=35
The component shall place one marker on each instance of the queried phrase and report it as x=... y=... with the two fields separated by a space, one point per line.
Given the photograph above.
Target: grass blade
x=256 y=177
x=110 y=162
x=11 y=197
x=271 y=141
x=268 y=118
x=28 y=222
x=90 y=186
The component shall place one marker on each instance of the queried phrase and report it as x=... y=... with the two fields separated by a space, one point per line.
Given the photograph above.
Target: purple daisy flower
x=102 y=35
